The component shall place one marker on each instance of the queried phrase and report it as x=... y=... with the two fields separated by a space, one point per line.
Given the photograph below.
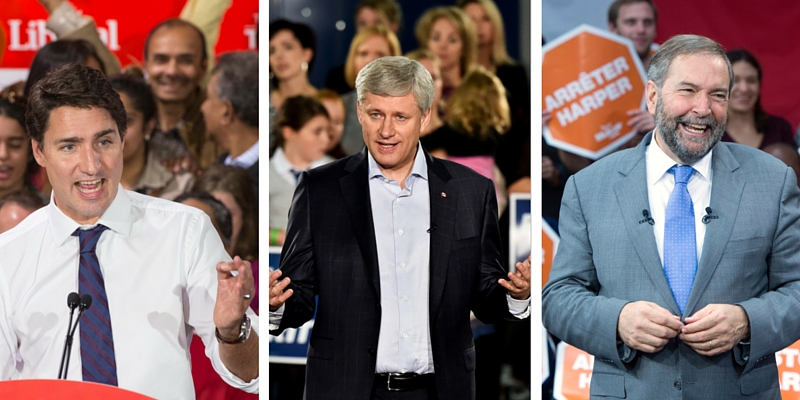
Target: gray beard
x=667 y=127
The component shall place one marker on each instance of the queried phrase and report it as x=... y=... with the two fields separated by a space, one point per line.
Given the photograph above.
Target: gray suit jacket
x=607 y=258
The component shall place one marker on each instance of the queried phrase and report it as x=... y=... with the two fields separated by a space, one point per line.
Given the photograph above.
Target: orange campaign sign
x=591 y=79
x=573 y=373
x=549 y=247
x=788 y=361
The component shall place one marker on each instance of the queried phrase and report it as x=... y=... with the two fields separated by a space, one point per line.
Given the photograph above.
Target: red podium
x=51 y=389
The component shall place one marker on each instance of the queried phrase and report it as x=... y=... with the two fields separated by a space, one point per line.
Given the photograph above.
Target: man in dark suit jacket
x=399 y=247
x=710 y=331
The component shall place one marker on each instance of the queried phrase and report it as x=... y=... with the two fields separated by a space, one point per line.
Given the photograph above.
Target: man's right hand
x=646 y=327
x=277 y=295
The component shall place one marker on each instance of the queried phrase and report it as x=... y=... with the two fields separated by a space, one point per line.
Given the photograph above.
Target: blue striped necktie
x=97 y=342
x=680 y=246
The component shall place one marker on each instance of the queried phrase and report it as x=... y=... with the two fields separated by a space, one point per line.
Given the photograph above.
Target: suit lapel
x=726 y=191
x=632 y=197
x=443 y=217
x=355 y=188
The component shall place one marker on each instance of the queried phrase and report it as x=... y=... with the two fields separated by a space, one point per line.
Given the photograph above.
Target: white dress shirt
x=159 y=264
x=246 y=159
x=659 y=186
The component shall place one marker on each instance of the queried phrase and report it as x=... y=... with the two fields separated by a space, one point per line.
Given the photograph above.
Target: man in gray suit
x=679 y=260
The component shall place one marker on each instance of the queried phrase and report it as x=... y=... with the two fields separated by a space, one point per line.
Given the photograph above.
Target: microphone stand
x=85 y=303
x=72 y=303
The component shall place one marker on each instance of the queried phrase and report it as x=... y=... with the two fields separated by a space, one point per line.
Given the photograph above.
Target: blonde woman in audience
x=450 y=34
x=477 y=117
x=431 y=63
x=368 y=45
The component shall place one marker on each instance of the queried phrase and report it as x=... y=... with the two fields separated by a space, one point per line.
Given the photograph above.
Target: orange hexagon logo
x=590 y=80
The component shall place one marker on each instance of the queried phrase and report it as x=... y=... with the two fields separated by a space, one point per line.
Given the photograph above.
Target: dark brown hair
x=613 y=10
x=295 y=113
x=237 y=182
x=58 y=53
x=736 y=55
x=72 y=85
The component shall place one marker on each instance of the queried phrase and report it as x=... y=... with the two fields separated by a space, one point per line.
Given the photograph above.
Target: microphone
x=84 y=303
x=432 y=228
x=709 y=216
x=647 y=218
x=72 y=302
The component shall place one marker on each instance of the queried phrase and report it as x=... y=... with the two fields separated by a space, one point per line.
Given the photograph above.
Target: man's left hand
x=641 y=120
x=715 y=329
x=519 y=283
x=234 y=294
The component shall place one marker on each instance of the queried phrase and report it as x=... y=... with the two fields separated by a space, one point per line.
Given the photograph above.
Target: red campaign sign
x=123 y=26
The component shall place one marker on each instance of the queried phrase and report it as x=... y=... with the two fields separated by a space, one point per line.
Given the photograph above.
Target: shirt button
x=405 y=335
x=405 y=299
x=385 y=181
x=402 y=266
x=398 y=200
x=400 y=232
x=677 y=385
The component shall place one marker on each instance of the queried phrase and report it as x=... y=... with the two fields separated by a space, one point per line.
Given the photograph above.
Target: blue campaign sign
x=519 y=235
x=291 y=346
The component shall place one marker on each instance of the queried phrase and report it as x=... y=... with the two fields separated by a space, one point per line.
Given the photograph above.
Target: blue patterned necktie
x=296 y=174
x=97 y=341
x=680 y=247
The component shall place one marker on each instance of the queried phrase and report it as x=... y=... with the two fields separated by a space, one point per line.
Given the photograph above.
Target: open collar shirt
x=158 y=260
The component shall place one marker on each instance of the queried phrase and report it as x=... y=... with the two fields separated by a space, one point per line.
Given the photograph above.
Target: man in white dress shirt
x=157 y=283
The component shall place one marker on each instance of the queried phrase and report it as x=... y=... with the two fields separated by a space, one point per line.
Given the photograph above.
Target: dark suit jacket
x=330 y=251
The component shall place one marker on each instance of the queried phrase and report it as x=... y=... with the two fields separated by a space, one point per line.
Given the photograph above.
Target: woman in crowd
x=301 y=144
x=431 y=63
x=747 y=122
x=233 y=187
x=17 y=166
x=493 y=55
x=476 y=118
x=291 y=54
x=368 y=13
x=450 y=34
x=368 y=45
x=335 y=106
x=142 y=171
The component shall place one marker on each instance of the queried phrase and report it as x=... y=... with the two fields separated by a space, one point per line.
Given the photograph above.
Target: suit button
x=371 y=351
x=677 y=385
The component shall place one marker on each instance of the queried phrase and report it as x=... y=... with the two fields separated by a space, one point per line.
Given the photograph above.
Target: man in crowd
x=399 y=246
x=148 y=264
x=677 y=266
x=175 y=61
x=636 y=20
x=231 y=110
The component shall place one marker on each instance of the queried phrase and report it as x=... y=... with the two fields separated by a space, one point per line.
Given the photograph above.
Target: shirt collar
x=246 y=159
x=420 y=167
x=117 y=218
x=658 y=163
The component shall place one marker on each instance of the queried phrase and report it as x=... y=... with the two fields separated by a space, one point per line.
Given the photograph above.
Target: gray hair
x=684 y=45
x=237 y=82
x=396 y=76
